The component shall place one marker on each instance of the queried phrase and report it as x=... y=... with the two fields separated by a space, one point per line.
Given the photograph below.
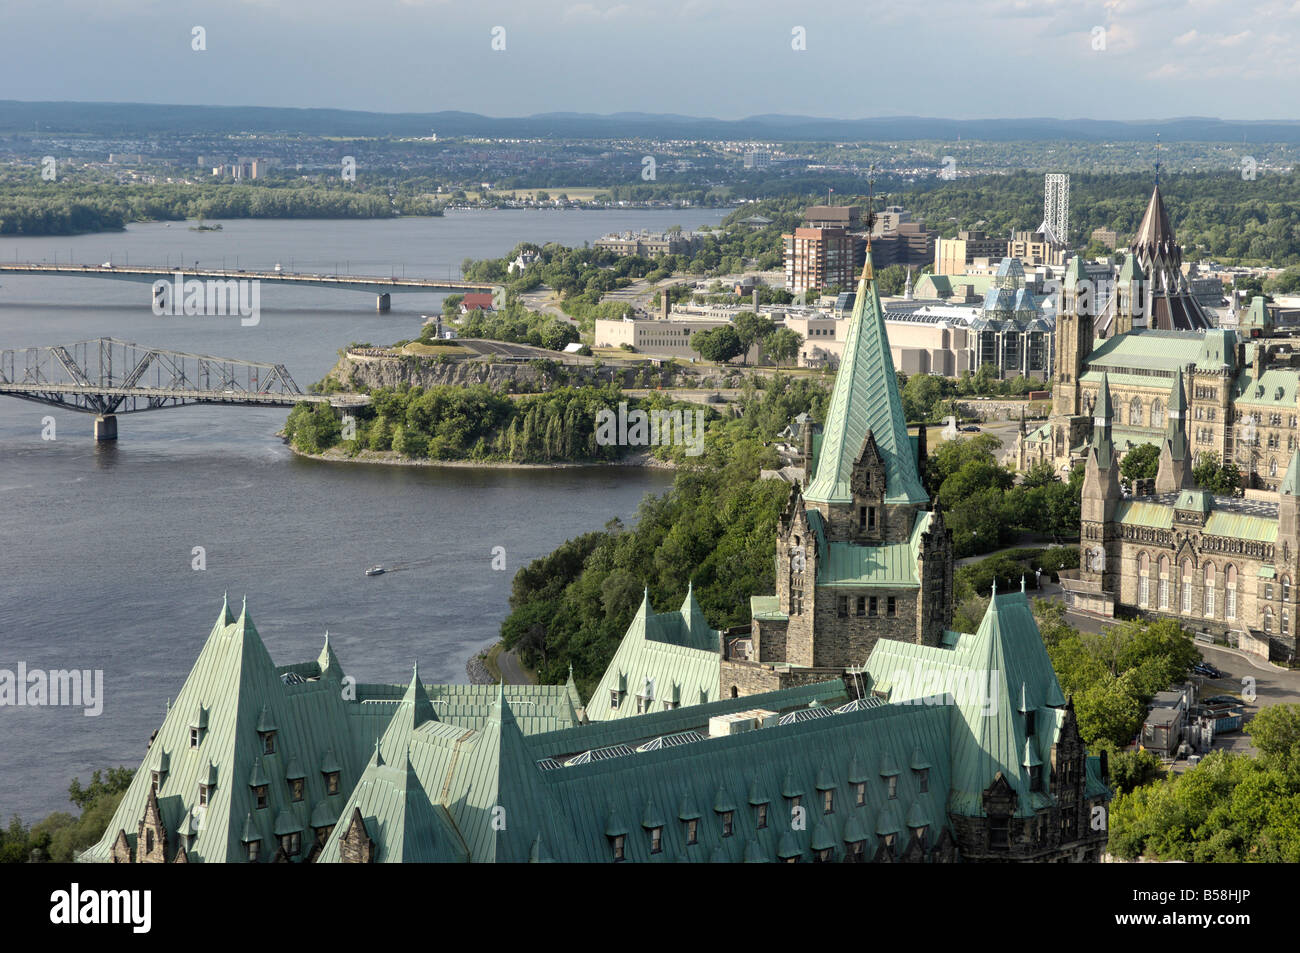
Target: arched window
x=1230 y=596
x=1268 y=620
x=1286 y=588
x=1157 y=413
x=1144 y=580
x=1164 y=583
x=1135 y=412
x=1272 y=467
x=1209 y=590
x=1286 y=622
x=1187 y=587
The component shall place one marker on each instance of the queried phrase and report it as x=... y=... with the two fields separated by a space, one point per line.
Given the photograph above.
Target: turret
x=1288 y=516
x=1175 y=471
x=1100 y=496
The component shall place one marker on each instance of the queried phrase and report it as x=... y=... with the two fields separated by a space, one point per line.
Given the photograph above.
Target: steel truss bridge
x=107 y=377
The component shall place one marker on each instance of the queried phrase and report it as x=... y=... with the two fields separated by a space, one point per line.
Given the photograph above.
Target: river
x=97 y=542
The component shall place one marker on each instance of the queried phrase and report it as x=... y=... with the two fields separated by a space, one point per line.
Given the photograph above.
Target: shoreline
x=393 y=459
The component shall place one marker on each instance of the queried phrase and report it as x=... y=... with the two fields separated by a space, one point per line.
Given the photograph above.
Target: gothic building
x=961 y=750
x=860 y=554
x=1219 y=563
x=1242 y=399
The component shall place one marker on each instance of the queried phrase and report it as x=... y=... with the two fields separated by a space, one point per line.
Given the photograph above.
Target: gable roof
x=670 y=656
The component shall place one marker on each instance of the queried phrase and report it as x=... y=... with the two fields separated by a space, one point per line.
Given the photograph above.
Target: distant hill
x=143 y=119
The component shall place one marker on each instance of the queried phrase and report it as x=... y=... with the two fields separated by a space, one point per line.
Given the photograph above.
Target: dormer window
x=860 y=792
x=297 y=787
x=893 y=786
x=856 y=850
x=923 y=777
x=194 y=736
x=1036 y=777
x=889 y=840
x=254 y=850
x=291 y=844
x=728 y=823
x=268 y=742
x=157 y=781
x=259 y=796
x=204 y=790
x=618 y=843
x=656 y=840
x=828 y=802
x=761 y=820
x=692 y=832
x=822 y=856
x=614 y=696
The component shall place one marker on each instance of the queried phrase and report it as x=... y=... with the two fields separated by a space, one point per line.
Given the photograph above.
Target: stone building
x=1214 y=563
x=1242 y=398
x=860 y=555
x=961 y=750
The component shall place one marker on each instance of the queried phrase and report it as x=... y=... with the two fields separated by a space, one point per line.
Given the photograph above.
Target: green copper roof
x=891 y=566
x=1291 y=482
x=664 y=657
x=987 y=675
x=1275 y=388
x=865 y=399
x=1148 y=349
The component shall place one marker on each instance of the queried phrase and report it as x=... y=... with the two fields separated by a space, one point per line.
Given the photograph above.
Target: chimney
x=755 y=299
x=1260 y=353
x=664 y=305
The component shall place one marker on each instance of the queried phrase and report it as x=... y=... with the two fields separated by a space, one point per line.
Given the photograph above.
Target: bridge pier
x=384 y=303
x=106 y=427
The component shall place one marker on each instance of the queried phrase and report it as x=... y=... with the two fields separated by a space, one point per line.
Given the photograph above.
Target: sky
x=728 y=59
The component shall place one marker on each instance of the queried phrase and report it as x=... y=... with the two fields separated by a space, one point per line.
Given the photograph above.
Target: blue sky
x=1105 y=59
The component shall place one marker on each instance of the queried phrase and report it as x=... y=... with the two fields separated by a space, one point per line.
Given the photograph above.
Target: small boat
x=376 y=571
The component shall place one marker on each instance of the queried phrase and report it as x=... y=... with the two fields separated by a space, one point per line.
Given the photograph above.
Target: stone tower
x=1074 y=334
x=1098 y=541
x=1175 y=471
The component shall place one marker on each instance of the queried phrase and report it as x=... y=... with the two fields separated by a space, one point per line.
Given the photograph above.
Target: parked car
x=1222 y=700
x=1208 y=670
x=970 y=428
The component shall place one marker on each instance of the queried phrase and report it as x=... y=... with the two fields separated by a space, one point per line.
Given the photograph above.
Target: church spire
x=865 y=401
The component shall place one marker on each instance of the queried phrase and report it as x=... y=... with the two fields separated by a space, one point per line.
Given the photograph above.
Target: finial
x=995 y=588
x=1157 y=158
x=1022 y=584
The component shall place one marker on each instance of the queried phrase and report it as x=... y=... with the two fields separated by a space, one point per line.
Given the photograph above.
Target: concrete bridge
x=107 y=377
x=385 y=287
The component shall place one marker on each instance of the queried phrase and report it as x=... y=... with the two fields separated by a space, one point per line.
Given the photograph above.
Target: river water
x=97 y=541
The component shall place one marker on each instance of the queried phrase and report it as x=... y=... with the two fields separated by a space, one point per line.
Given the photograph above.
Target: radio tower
x=1056 y=207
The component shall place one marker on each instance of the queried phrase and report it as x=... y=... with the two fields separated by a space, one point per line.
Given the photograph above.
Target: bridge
x=158 y=273
x=107 y=377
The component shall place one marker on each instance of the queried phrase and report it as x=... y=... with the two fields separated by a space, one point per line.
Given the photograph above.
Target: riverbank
x=393 y=458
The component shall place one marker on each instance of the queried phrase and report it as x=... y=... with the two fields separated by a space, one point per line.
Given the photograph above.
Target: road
x=511 y=671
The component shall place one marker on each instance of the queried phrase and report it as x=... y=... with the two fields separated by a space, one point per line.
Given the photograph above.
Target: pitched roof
x=670 y=656
x=987 y=674
x=865 y=399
